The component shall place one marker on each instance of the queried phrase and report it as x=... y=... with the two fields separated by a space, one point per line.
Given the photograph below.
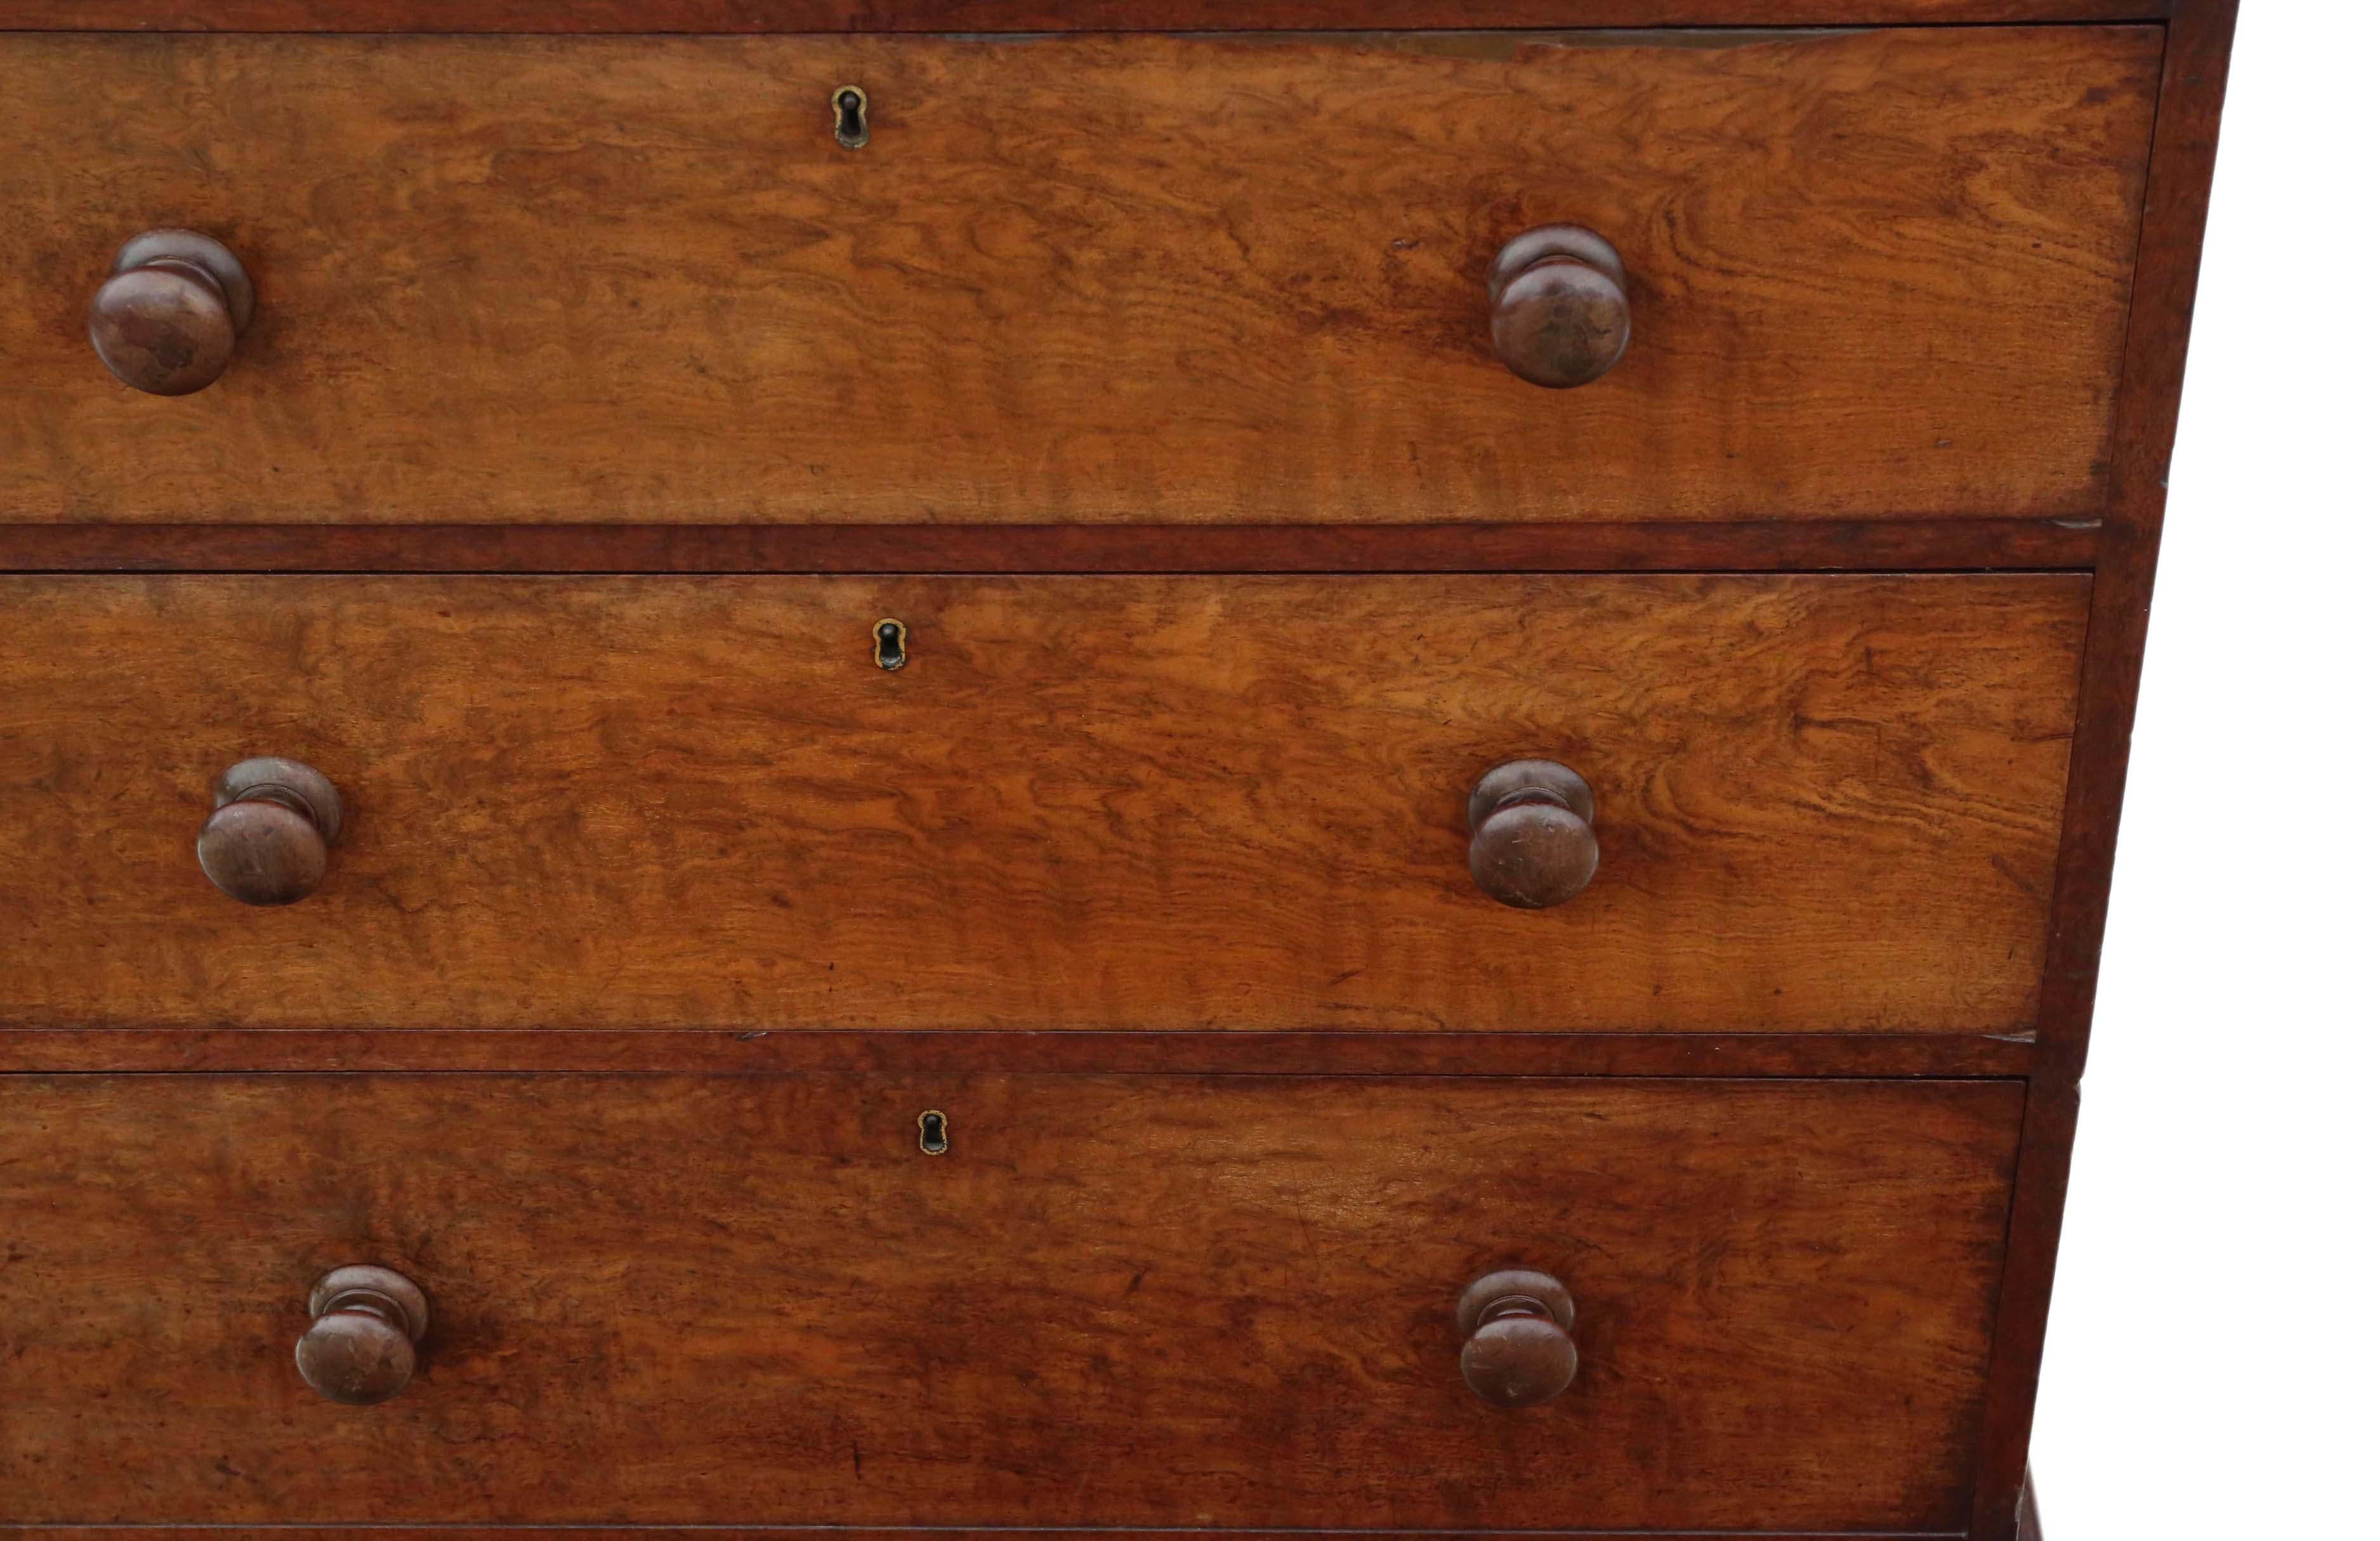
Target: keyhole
x=891 y=644
x=850 y=117
x=933 y=1133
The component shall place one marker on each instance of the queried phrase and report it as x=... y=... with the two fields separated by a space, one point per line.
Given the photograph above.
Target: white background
x=2211 y=1368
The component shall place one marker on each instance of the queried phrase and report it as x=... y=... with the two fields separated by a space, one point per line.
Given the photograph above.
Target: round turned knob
x=270 y=837
x=1558 y=306
x=1517 y=1349
x=171 y=312
x=359 y=1350
x=1533 y=834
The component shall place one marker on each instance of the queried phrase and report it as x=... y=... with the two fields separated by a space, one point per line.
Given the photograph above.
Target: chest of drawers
x=1134 y=766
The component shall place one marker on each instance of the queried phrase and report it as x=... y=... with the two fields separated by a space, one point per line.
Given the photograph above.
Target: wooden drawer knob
x=359 y=1350
x=1533 y=834
x=171 y=312
x=1516 y=1344
x=1558 y=306
x=270 y=837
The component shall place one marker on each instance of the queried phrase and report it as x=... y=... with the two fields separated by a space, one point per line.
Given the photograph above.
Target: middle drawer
x=1823 y=802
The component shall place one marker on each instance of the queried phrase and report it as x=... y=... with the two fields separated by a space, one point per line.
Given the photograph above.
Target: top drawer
x=1125 y=278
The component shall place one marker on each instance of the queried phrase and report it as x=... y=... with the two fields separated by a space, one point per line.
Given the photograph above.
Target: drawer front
x=1111 y=1301
x=1131 y=278
x=1821 y=802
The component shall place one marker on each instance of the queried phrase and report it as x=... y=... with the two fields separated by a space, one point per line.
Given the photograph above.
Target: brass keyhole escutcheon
x=891 y=644
x=933 y=1133
x=850 y=116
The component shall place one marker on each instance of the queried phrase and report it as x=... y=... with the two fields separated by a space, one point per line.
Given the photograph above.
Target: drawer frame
x=2148 y=404
x=2119 y=548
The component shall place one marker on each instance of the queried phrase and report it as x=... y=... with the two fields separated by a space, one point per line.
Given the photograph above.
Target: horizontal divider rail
x=1785 y=546
x=1794 y=1055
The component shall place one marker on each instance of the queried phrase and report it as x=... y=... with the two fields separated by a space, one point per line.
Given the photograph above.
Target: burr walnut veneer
x=1130 y=766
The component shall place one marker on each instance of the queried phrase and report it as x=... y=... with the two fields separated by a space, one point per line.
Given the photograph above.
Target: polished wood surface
x=1104 y=1050
x=1823 y=802
x=1157 y=1300
x=1793 y=546
x=1104 y=279
x=940 y=1533
x=789 y=1532
x=373 y=176
x=1026 y=15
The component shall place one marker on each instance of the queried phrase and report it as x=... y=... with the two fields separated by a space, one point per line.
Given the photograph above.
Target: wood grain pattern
x=1163 y=1300
x=1800 y=545
x=1824 y=803
x=1028 y=15
x=1099 y=279
x=1091 y=1051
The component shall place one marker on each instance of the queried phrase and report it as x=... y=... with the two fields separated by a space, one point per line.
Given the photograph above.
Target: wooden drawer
x=1822 y=803
x=1121 y=278
x=1162 y=1301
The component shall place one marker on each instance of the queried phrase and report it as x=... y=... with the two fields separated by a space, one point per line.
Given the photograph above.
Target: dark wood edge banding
x=2028 y=1513
x=2182 y=171
x=384 y=1532
x=1781 y=546
x=2036 y=1211
x=1023 y=15
x=728 y=1051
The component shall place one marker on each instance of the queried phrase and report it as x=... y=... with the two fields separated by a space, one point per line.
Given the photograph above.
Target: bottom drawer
x=1111 y=1301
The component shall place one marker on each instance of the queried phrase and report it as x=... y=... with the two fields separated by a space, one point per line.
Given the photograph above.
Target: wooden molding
x=2182 y=170
x=1033 y=16
x=1784 y=546
x=758 y=1532
x=727 y=1052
